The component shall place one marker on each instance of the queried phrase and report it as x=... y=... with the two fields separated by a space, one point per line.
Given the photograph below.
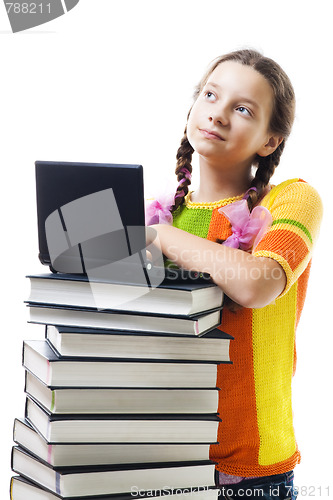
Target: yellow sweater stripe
x=273 y=358
x=275 y=191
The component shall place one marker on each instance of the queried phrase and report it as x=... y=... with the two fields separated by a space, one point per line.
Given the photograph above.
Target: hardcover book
x=113 y=428
x=70 y=455
x=83 y=400
x=69 y=341
x=108 y=480
x=121 y=320
x=22 y=489
x=171 y=297
x=50 y=368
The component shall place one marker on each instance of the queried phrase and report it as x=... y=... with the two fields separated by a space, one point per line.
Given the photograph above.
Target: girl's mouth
x=209 y=134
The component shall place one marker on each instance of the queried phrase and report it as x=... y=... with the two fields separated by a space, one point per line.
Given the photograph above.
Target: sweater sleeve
x=296 y=209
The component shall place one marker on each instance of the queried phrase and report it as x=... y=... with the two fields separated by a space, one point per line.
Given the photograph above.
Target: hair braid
x=265 y=170
x=183 y=170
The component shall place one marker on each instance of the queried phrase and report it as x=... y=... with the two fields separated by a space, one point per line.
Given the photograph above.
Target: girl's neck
x=216 y=185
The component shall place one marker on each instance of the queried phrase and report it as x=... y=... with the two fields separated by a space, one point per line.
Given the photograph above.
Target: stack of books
x=121 y=401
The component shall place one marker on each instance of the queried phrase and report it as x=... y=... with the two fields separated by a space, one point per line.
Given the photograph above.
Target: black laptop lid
x=76 y=202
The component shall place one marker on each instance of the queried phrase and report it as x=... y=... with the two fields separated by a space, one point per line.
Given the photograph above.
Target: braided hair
x=281 y=121
x=183 y=170
x=266 y=166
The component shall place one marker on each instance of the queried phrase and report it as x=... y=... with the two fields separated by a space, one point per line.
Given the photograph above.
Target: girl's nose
x=219 y=118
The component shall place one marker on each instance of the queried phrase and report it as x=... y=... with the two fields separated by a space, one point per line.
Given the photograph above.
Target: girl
x=255 y=240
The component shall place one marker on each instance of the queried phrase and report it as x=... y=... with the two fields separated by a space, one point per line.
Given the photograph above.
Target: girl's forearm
x=248 y=280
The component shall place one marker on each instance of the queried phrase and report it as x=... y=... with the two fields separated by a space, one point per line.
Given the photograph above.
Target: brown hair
x=280 y=124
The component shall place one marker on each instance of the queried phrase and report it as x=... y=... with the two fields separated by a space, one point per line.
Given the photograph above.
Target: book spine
x=23 y=350
x=25 y=380
x=52 y=401
x=14 y=427
x=12 y=459
x=11 y=488
x=57 y=483
x=49 y=453
x=48 y=373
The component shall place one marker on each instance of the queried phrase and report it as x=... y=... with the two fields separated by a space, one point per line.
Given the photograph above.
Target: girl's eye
x=210 y=96
x=243 y=110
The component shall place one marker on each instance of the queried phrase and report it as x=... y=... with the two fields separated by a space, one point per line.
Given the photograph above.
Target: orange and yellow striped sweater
x=256 y=434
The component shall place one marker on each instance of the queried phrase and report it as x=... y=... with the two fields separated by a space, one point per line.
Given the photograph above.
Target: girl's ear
x=272 y=144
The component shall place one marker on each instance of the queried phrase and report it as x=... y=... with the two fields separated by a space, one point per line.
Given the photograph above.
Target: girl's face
x=229 y=122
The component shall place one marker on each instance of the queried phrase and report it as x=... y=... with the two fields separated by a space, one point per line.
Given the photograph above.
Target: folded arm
x=250 y=281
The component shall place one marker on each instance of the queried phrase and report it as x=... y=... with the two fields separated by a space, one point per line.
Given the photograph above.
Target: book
x=120 y=400
x=106 y=480
x=70 y=455
x=108 y=319
x=22 y=489
x=50 y=368
x=69 y=341
x=116 y=428
x=171 y=297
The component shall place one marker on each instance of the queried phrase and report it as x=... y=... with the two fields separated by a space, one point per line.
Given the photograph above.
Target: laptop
x=91 y=221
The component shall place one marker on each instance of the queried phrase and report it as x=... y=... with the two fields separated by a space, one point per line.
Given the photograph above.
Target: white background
x=112 y=82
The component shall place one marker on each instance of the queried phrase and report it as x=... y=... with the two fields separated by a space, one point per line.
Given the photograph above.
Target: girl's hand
x=153 y=247
x=152 y=235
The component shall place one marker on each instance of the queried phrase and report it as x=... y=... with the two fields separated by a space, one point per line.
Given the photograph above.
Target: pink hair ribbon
x=158 y=211
x=247 y=228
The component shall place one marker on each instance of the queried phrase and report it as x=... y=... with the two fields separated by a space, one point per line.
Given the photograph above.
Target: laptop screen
x=79 y=205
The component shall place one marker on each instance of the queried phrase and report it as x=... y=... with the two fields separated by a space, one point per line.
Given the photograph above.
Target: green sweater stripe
x=193 y=220
x=293 y=223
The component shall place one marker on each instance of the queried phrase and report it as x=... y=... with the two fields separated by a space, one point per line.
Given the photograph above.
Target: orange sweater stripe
x=280 y=242
x=237 y=385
